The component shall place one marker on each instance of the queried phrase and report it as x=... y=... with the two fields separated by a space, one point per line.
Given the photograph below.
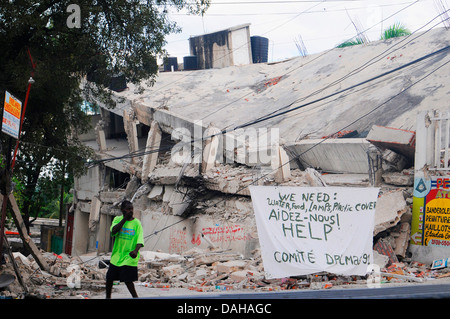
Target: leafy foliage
x=120 y=36
x=394 y=31
x=349 y=43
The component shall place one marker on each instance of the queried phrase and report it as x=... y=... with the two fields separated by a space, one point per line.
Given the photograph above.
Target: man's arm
x=134 y=252
x=118 y=227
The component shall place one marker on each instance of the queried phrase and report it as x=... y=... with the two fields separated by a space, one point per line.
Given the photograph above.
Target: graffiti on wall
x=177 y=241
x=219 y=235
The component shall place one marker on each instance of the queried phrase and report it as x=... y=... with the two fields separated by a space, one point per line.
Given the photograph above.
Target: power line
x=270 y=2
x=274 y=114
x=344 y=90
x=359 y=69
x=315 y=145
x=222 y=132
x=317 y=57
x=345 y=127
x=294 y=13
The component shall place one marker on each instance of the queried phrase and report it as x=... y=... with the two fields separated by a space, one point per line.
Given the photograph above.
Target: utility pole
x=61 y=199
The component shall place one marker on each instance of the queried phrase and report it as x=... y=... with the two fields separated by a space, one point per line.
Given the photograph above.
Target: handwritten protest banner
x=305 y=230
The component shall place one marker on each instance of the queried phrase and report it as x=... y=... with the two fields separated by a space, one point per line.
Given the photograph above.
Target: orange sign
x=11 y=115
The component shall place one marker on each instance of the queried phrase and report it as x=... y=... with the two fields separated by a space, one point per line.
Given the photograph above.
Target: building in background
x=222 y=48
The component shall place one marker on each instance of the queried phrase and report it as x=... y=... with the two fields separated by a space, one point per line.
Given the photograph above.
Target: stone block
x=172 y=270
x=230 y=266
x=239 y=275
x=390 y=207
x=400 y=141
x=156 y=193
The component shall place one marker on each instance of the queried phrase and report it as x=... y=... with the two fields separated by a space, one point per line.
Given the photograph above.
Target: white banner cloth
x=305 y=230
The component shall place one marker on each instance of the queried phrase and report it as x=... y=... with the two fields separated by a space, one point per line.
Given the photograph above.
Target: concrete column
x=101 y=138
x=210 y=149
x=151 y=149
x=280 y=163
x=424 y=142
x=104 y=234
x=130 y=128
x=375 y=165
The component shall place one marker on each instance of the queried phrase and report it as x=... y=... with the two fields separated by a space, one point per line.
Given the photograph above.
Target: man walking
x=128 y=239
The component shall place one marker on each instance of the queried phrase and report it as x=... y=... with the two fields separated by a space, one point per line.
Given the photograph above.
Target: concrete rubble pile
x=215 y=271
x=60 y=282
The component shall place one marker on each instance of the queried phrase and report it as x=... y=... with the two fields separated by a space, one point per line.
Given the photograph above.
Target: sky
x=321 y=24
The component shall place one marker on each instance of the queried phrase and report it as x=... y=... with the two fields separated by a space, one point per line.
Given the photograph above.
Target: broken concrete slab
x=172 y=270
x=209 y=259
x=148 y=255
x=383 y=247
x=94 y=215
x=351 y=180
x=111 y=197
x=398 y=140
x=380 y=259
x=314 y=178
x=169 y=174
x=156 y=193
x=230 y=266
x=230 y=180
x=210 y=149
x=347 y=155
x=401 y=239
x=390 y=207
x=404 y=178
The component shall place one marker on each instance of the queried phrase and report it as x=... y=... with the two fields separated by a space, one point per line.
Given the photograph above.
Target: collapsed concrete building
x=186 y=149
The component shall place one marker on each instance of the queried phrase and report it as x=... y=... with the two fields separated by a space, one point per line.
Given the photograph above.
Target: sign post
x=12 y=110
x=11 y=115
x=305 y=230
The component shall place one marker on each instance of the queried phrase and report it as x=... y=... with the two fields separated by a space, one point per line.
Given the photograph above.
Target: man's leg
x=131 y=289
x=109 y=284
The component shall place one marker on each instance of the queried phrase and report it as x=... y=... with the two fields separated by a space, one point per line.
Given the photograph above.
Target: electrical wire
x=315 y=101
x=323 y=140
x=275 y=114
x=365 y=65
x=310 y=61
x=343 y=128
x=222 y=132
x=294 y=13
x=317 y=144
x=262 y=119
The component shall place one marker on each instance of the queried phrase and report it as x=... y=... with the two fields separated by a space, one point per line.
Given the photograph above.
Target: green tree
x=113 y=37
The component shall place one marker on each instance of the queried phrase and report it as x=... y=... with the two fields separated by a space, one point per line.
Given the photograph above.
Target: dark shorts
x=122 y=273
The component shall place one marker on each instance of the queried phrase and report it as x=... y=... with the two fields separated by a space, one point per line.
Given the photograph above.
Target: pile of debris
x=68 y=277
x=213 y=271
x=196 y=270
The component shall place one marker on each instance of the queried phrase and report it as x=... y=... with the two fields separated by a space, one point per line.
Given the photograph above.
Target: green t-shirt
x=125 y=241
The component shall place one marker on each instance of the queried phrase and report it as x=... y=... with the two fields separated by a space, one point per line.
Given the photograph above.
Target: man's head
x=127 y=209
